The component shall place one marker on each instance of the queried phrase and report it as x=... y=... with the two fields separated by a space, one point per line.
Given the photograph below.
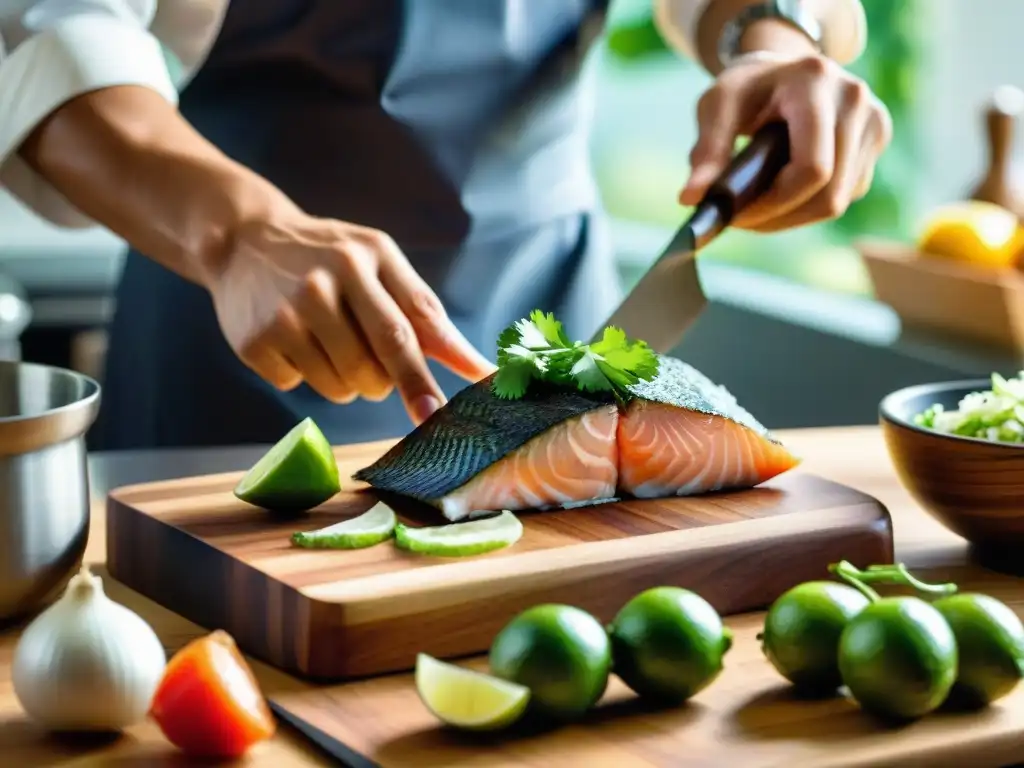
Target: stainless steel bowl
x=44 y=481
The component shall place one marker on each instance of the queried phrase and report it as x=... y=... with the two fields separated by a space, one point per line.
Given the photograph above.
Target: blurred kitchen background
x=794 y=330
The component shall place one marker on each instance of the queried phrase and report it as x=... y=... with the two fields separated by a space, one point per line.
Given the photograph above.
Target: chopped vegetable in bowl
x=996 y=414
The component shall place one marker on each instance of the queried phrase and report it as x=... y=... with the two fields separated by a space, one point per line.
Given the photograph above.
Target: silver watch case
x=791 y=11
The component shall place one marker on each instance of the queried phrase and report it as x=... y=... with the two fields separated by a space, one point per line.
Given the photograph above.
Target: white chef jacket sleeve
x=54 y=50
x=844 y=27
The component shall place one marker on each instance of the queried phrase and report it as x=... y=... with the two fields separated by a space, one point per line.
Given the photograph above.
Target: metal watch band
x=791 y=11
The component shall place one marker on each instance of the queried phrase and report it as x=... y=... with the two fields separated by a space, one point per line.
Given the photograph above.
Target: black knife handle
x=748 y=176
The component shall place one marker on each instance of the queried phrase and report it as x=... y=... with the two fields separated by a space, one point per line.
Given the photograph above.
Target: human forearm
x=125 y=157
x=772 y=35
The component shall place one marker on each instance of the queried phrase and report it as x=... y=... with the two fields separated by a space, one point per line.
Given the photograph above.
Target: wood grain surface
x=921 y=288
x=192 y=547
x=384 y=720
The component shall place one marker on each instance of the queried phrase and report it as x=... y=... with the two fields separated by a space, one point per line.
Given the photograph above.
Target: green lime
x=990 y=643
x=372 y=527
x=461 y=539
x=296 y=474
x=802 y=631
x=898 y=657
x=466 y=699
x=668 y=644
x=561 y=653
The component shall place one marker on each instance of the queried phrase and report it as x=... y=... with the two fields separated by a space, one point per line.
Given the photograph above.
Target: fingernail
x=699 y=180
x=425 y=406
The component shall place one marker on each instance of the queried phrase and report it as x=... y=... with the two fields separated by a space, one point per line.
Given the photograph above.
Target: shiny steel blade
x=667 y=300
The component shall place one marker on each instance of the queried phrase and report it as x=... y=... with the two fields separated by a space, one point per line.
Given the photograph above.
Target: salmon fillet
x=666 y=451
x=573 y=461
x=679 y=435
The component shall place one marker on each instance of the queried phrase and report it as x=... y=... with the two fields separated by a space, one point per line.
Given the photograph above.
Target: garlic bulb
x=87 y=663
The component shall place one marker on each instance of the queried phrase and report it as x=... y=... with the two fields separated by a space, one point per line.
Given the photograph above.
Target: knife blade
x=669 y=297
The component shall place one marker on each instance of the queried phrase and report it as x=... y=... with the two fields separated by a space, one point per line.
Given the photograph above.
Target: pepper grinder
x=999 y=185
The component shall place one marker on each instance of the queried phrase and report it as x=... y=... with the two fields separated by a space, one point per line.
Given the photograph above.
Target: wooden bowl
x=973 y=487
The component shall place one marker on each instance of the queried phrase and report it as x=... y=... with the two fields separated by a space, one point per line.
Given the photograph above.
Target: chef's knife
x=669 y=297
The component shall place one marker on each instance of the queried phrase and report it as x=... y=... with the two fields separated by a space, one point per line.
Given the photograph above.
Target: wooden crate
x=971 y=304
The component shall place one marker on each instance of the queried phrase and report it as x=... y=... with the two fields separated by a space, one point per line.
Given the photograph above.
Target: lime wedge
x=372 y=527
x=297 y=474
x=461 y=539
x=466 y=699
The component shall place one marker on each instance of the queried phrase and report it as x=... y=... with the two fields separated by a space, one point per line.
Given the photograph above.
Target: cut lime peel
x=372 y=527
x=305 y=463
x=475 y=537
x=467 y=699
x=269 y=460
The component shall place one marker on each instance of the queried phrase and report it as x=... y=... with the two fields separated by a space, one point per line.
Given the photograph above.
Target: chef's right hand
x=338 y=306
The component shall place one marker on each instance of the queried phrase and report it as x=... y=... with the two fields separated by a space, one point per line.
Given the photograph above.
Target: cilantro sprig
x=537 y=349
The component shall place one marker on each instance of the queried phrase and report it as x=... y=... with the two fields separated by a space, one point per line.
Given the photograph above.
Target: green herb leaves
x=537 y=349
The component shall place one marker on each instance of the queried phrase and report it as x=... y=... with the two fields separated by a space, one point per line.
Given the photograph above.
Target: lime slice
x=297 y=474
x=466 y=699
x=372 y=527
x=461 y=539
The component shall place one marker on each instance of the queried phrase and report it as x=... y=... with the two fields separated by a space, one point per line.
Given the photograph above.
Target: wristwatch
x=790 y=11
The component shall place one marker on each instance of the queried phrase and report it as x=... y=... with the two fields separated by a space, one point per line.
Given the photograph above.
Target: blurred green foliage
x=891 y=65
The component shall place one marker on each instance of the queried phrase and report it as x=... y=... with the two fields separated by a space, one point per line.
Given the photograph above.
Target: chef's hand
x=338 y=306
x=837 y=129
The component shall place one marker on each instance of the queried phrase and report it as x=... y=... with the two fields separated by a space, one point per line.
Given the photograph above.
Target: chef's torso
x=445 y=123
x=459 y=127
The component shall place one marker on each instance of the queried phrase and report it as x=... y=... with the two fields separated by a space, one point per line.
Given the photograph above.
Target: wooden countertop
x=855 y=456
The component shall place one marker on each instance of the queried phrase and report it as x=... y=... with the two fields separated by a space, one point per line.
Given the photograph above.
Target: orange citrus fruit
x=974 y=232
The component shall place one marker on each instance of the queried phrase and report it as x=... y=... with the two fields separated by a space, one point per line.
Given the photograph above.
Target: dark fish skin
x=476 y=429
x=473 y=431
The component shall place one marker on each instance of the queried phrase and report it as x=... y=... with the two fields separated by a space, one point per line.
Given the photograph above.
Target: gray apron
x=459 y=127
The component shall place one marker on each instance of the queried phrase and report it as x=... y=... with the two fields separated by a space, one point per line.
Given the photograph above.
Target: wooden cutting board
x=191 y=546
x=747 y=718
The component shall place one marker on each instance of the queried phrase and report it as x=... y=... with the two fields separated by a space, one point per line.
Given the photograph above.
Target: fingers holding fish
x=438 y=336
x=321 y=308
x=271 y=366
x=394 y=342
x=336 y=304
x=292 y=337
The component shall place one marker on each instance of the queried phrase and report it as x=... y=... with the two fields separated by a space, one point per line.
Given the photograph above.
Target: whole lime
x=561 y=653
x=668 y=644
x=898 y=657
x=802 y=631
x=990 y=644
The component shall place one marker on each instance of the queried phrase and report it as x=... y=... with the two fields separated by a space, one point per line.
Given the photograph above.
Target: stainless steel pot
x=44 y=481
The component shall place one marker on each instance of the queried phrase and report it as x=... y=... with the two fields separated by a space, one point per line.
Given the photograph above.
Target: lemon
x=466 y=699
x=372 y=527
x=296 y=474
x=461 y=539
x=975 y=232
x=561 y=653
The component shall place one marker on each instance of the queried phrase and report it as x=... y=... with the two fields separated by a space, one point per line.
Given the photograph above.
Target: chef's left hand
x=837 y=127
